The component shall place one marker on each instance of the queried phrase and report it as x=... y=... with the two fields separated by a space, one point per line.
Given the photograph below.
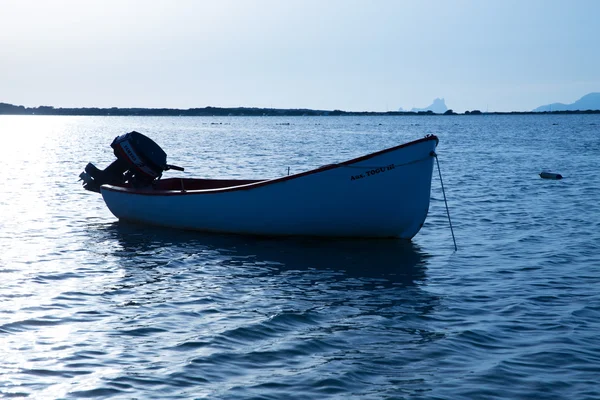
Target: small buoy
x=550 y=175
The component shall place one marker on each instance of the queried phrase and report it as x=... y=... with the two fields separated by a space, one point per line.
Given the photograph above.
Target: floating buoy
x=550 y=175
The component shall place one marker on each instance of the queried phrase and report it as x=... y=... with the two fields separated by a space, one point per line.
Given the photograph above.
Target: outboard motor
x=139 y=162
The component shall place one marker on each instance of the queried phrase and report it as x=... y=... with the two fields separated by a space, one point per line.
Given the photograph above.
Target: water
x=93 y=308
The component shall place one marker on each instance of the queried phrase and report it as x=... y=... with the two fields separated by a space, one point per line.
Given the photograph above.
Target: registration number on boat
x=373 y=172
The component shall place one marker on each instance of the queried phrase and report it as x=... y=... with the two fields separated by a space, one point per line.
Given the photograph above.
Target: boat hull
x=381 y=195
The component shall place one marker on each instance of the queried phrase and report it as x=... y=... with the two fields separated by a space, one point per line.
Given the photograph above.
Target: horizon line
x=148 y=111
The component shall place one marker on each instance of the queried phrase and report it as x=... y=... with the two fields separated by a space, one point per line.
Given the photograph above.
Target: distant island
x=437 y=108
x=590 y=101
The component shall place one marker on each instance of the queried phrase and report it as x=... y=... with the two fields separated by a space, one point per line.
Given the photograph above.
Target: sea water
x=94 y=308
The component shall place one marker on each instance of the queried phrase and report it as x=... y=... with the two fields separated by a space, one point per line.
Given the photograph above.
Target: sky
x=354 y=55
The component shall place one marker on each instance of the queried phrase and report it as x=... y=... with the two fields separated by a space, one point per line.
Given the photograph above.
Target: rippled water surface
x=94 y=308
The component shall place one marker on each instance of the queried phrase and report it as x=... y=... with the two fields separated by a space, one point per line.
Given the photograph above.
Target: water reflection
x=397 y=262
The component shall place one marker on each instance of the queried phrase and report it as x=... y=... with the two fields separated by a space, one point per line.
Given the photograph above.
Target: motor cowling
x=139 y=162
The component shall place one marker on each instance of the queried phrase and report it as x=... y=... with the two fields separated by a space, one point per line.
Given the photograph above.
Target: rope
x=433 y=153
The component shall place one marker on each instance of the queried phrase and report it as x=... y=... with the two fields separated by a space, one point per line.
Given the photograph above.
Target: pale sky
x=369 y=55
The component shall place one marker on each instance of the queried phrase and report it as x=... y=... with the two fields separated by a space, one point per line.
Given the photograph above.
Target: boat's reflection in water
x=392 y=261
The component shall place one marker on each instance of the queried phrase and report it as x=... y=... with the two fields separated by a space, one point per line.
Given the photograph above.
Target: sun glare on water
x=29 y=156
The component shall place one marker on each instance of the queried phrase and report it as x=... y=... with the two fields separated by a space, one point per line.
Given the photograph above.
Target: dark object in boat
x=139 y=162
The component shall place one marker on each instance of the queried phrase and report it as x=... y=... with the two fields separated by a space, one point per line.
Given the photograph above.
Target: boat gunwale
x=260 y=183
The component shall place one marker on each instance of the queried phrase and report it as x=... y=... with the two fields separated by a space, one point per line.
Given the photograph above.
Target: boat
x=384 y=194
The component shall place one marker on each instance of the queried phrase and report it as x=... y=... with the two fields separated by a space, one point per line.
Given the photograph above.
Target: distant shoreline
x=10 y=109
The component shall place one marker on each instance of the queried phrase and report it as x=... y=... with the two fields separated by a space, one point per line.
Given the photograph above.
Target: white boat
x=385 y=194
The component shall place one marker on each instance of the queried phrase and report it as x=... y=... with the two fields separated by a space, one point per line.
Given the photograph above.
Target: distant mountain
x=438 y=106
x=590 y=101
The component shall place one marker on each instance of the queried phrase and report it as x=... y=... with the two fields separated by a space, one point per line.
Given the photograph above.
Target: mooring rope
x=433 y=153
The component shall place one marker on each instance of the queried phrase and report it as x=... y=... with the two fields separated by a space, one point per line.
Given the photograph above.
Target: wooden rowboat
x=385 y=194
